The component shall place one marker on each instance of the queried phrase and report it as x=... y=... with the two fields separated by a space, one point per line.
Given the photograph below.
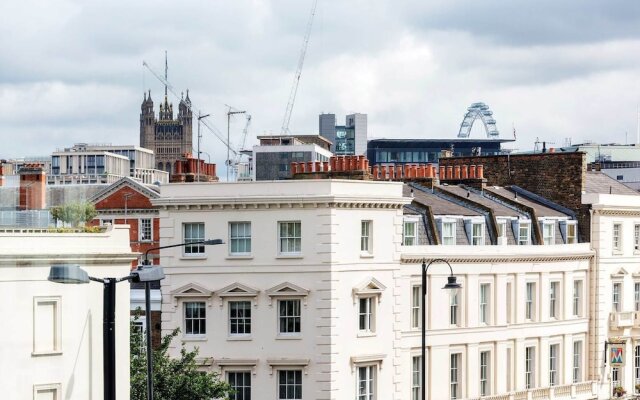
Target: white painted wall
x=74 y=367
x=332 y=267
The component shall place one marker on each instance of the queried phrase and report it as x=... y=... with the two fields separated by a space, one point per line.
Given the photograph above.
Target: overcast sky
x=71 y=71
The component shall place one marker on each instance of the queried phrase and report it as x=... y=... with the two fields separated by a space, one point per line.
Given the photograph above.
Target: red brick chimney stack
x=32 y=187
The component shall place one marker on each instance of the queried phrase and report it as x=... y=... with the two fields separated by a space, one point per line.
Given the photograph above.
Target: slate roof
x=597 y=182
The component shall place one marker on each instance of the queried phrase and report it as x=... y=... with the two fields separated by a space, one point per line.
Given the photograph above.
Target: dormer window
x=569 y=231
x=410 y=233
x=477 y=233
x=448 y=233
x=548 y=232
x=524 y=233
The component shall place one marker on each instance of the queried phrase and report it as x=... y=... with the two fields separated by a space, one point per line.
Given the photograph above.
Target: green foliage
x=173 y=378
x=74 y=213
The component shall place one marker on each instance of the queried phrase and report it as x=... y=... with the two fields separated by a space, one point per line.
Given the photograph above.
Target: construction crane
x=236 y=160
x=194 y=110
x=296 y=78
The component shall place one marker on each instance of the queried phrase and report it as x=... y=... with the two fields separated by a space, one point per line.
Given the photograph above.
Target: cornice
x=617 y=212
x=414 y=259
x=39 y=259
x=264 y=203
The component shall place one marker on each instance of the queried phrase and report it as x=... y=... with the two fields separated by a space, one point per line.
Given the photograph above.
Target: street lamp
x=452 y=284
x=73 y=274
x=146 y=266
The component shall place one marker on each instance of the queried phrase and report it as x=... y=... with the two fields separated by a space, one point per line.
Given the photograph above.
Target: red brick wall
x=135 y=202
x=559 y=177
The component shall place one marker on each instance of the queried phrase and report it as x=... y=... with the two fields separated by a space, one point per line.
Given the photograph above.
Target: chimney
x=32 y=187
x=1 y=176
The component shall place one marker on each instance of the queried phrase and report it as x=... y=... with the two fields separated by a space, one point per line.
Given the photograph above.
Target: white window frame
x=636 y=296
x=576 y=370
x=202 y=319
x=616 y=296
x=502 y=228
x=241 y=321
x=577 y=297
x=475 y=239
x=526 y=225
x=572 y=237
x=530 y=367
x=366 y=237
x=240 y=237
x=416 y=377
x=416 y=306
x=370 y=382
x=549 y=239
x=485 y=372
x=367 y=316
x=554 y=364
x=616 y=237
x=484 y=300
x=455 y=375
x=449 y=240
x=407 y=239
x=291 y=239
x=454 y=308
x=193 y=250
x=636 y=364
x=293 y=316
x=237 y=395
x=554 y=299
x=297 y=373
x=142 y=228
x=530 y=301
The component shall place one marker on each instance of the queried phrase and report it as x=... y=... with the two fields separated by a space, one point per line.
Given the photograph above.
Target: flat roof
x=455 y=140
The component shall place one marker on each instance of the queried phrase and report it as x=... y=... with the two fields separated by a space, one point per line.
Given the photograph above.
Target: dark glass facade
x=401 y=151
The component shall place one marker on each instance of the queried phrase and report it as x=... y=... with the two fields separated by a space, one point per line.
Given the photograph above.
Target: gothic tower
x=169 y=138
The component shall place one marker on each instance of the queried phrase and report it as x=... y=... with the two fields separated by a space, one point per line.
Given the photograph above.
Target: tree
x=74 y=213
x=173 y=378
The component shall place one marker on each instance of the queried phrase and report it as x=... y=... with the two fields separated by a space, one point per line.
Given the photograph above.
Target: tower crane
x=296 y=77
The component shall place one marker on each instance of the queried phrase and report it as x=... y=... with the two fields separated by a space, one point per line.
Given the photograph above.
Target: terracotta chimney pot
x=450 y=172
x=456 y=172
x=472 y=172
x=294 y=168
x=374 y=172
x=318 y=166
x=480 y=171
x=465 y=172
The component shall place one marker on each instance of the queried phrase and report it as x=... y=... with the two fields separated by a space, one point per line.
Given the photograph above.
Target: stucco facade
x=53 y=347
x=327 y=309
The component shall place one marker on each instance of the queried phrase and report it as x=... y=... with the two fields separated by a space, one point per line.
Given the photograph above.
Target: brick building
x=129 y=202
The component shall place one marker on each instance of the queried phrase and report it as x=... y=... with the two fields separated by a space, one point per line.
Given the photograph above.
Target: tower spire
x=166 y=69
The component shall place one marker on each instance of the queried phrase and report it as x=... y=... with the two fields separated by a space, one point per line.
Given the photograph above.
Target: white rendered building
x=313 y=296
x=52 y=345
x=615 y=236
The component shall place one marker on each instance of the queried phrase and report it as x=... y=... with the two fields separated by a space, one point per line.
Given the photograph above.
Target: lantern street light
x=73 y=274
x=452 y=284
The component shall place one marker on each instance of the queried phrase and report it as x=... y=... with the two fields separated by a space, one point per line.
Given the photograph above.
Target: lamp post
x=452 y=284
x=73 y=274
x=146 y=264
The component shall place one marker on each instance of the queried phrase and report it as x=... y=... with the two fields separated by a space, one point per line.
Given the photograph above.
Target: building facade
x=347 y=139
x=54 y=350
x=315 y=294
x=104 y=164
x=167 y=137
x=273 y=157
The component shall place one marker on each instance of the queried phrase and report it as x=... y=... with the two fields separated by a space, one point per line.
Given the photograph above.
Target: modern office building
x=272 y=158
x=316 y=293
x=104 y=164
x=347 y=139
x=405 y=151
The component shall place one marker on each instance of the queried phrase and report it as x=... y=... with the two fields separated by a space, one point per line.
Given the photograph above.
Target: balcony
x=575 y=391
x=621 y=320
